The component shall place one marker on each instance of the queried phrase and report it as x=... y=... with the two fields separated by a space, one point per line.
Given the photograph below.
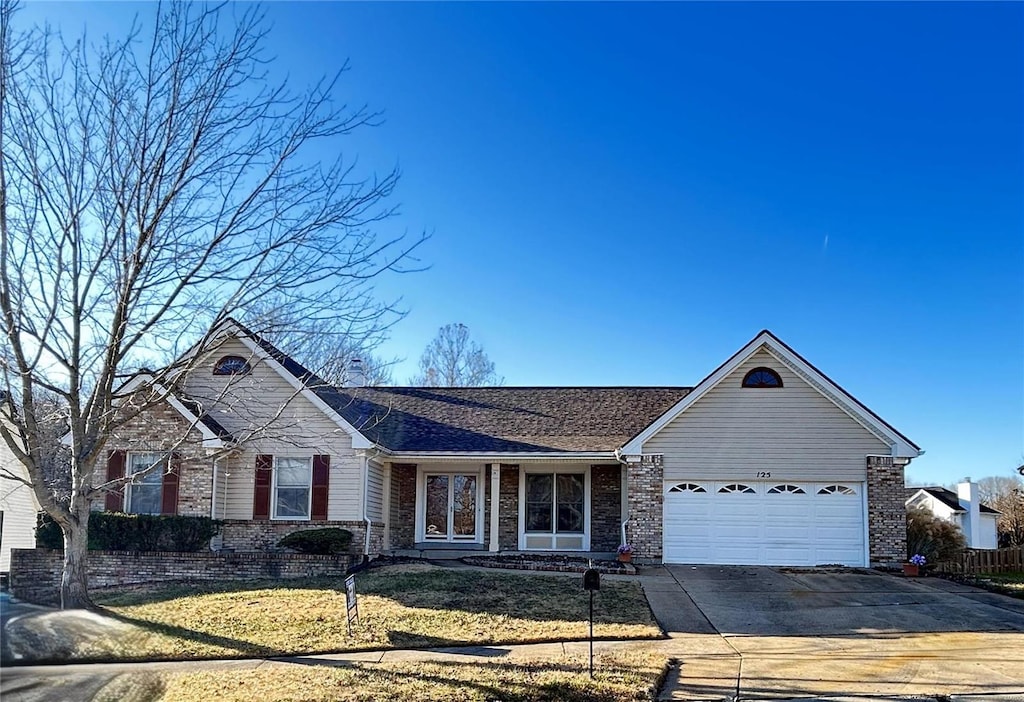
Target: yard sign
x=351 y=606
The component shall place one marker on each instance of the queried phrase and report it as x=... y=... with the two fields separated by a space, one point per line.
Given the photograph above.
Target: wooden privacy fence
x=976 y=561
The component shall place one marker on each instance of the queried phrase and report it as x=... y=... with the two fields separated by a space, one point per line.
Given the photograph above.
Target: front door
x=450 y=507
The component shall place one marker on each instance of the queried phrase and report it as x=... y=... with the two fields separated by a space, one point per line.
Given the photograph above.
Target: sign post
x=591 y=583
x=351 y=605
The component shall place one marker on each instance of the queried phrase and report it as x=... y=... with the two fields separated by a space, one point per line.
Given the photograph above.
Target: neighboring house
x=18 y=508
x=765 y=461
x=976 y=520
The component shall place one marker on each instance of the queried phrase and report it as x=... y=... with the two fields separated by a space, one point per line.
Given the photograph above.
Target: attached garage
x=744 y=522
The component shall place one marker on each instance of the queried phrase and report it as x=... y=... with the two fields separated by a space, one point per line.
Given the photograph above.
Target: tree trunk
x=74 y=582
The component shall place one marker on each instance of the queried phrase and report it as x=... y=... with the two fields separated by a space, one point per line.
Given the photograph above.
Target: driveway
x=753 y=632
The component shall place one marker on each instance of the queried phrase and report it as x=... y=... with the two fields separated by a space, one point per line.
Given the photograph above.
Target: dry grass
x=618 y=676
x=399 y=607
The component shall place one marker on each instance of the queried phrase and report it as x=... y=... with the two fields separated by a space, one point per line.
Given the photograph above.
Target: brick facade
x=403 y=505
x=159 y=429
x=35 y=573
x=645 y=528
x=606 y=507
x=508 y=508
x=887 y=514
x=247 y=536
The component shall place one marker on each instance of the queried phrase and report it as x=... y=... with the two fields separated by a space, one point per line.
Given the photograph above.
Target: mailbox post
x=591 y=583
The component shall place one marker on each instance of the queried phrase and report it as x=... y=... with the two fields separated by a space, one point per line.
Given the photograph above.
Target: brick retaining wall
x=35 y=573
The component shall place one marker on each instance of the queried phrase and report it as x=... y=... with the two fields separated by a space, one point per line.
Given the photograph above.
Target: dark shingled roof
x=489 y=419
x=501 y=419
x=948 y=498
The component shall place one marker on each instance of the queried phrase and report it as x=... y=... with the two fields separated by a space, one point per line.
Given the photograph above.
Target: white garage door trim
x=743 y=522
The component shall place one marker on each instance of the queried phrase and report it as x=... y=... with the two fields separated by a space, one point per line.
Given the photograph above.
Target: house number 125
x=762 y=474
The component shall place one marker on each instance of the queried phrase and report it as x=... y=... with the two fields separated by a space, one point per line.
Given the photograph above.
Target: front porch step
x=433 y=554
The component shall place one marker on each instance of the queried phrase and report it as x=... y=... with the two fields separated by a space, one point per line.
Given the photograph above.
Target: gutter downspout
x=366 y=495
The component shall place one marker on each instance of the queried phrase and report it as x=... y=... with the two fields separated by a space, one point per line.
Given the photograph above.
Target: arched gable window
x=231 y=365
x=762 y=378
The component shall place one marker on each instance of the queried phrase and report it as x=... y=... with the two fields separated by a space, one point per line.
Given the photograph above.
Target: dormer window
x=231 y=365
x=762 y=378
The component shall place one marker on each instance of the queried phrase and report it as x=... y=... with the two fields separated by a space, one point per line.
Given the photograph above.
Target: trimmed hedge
x=324 y=542
x=113 y=531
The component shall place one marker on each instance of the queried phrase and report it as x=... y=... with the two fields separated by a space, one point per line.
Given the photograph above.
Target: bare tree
x=452 y=359
x=150 y=187
x=1005 y=493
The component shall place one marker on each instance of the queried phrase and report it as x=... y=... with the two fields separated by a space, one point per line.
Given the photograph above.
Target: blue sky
x=626 y=193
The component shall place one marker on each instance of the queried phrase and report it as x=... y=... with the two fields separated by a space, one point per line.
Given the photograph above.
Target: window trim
x=762 y=369
x=231 y=357
x=554 y=531
x=273 y=490
x=587 y=507
x=128 y=486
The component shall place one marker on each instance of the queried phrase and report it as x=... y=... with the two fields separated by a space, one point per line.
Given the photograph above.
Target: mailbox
x=591 y=579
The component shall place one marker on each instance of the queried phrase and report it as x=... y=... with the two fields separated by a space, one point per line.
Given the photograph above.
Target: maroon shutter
x=321 y=478
x=261 y=496
x=169 y=503
x=115 y=469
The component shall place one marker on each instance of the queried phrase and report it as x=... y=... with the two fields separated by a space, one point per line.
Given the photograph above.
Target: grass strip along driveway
x=404 y=606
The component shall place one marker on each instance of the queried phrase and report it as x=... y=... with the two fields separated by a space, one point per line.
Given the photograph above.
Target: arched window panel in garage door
x=837 y=490
x=687 y=487
x=737 y=488
x=786 y=489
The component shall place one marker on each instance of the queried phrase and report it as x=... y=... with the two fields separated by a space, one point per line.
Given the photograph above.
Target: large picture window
x=555 y=502
x=293 y=478
x=145 y=492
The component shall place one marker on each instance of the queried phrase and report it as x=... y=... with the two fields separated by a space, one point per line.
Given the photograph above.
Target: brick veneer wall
x=508 y=508
x=403 y=505
x=644 y=488
x=606 y=507
x=161 y=428
x=247 y=536
x=35 y=573
x=887 y=512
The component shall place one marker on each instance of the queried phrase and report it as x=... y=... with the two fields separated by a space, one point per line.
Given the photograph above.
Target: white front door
x=450 y=507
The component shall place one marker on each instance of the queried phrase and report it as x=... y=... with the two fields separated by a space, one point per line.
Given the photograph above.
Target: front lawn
x=618 y=676
x=406 y=606
x=1007 y=583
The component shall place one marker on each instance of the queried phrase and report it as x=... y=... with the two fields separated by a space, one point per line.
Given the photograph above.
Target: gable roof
x=214 y=433
x=948 y=498
x=900 y=445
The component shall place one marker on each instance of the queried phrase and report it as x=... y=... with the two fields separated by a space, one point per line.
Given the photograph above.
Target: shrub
x=112 y=531
x=935 y=539
x=325 y=542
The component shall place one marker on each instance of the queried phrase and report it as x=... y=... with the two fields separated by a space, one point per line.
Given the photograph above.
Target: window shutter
x=261 y=495
x=321 y=479
x=115 y=469
x=169 y=497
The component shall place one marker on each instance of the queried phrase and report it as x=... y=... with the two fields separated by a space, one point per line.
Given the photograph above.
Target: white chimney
x=355 y=375
x=967 y=492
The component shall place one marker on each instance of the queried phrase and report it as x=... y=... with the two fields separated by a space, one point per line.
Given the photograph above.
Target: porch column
x=495 y=492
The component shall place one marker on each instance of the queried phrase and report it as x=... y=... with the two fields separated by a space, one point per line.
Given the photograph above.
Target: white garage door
x=764 y=523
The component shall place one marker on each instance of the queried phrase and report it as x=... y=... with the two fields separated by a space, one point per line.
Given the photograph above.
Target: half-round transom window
x=231 y=365
x=762 y=378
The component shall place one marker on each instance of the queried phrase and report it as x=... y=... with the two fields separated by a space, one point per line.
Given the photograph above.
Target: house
x=764 y=461
x=18 y=507
x=976 y=520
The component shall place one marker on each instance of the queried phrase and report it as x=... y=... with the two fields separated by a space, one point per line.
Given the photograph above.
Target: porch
x=439 y=510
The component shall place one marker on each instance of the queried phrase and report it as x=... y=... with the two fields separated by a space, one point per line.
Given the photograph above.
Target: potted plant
x=913 y=567
x=625 y=552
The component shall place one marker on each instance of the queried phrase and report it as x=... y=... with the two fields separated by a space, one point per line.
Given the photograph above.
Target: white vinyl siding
x=273 y=418
x=375 y=492
x=794 y=433
x=19 y=507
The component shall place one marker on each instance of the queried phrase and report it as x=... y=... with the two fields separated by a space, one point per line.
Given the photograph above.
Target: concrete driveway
x=753 y=632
